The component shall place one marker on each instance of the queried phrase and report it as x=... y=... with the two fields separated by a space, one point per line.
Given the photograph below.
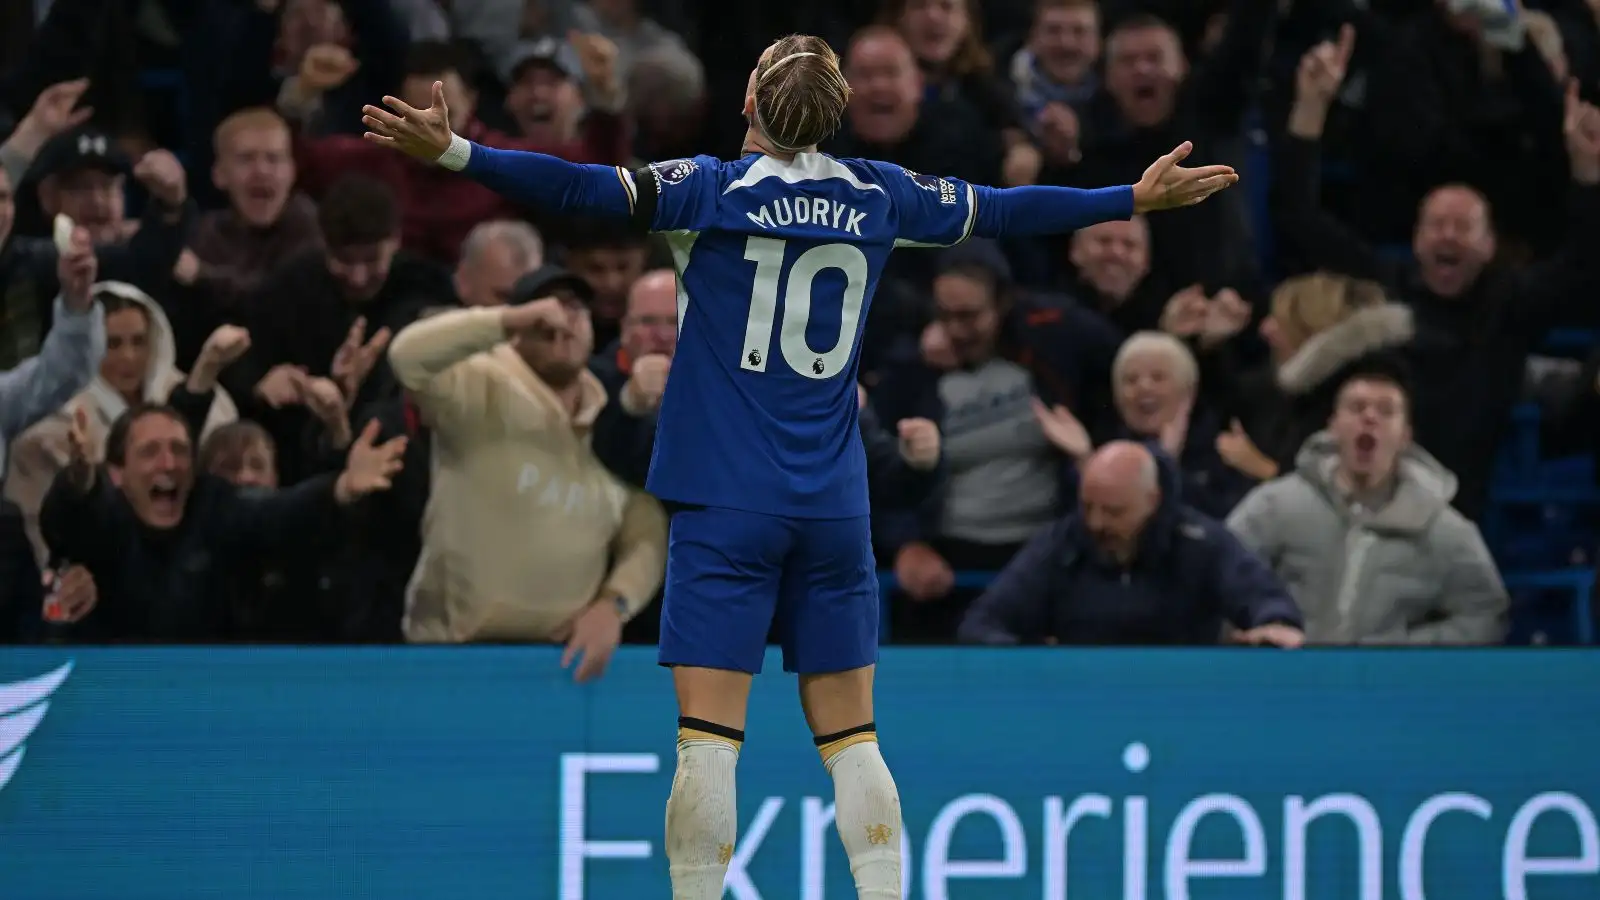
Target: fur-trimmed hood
x=1367 y=331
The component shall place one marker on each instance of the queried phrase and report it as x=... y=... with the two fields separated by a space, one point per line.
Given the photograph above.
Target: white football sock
x=866 y=808
x=702 y=818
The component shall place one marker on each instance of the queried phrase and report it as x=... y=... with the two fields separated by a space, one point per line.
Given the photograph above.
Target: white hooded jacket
x=44 y=450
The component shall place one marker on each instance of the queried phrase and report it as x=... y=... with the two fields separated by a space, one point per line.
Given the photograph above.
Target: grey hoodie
x=1414 y=571
x=68 y=360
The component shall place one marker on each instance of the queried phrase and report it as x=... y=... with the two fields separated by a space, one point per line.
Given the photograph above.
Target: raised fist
x=163 y=176
x=325 y=67
x=919 y=443
x=646 y=384
x=224 y=347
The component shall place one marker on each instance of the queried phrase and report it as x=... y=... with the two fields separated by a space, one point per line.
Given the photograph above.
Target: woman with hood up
x=138 y=367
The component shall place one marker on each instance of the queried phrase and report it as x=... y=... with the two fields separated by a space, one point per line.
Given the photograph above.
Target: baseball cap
x=545 y=281
x=81 y=148
x=548 y=52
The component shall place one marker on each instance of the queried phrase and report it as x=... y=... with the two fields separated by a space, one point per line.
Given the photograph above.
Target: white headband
x=762 y=125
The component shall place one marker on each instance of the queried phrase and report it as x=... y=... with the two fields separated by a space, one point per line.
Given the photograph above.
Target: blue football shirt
x=777 y=263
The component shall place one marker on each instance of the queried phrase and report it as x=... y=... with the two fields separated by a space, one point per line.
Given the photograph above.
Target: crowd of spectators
x=273 y=383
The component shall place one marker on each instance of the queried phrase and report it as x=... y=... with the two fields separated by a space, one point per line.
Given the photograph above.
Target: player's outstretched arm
x=1043 y=210
x=535 y=179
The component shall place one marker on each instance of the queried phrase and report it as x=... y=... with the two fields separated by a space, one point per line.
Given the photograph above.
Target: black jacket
x=178 y=586
x=299 y=317
x=1470 y=351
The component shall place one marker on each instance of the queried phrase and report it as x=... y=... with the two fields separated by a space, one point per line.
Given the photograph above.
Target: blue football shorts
x=733 y=577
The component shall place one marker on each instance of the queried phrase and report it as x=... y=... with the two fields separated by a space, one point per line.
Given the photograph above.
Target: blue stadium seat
x=1400 y=253
x=1257 y=174
x=1568 y=592
x=1571 y=342
x=173 y=83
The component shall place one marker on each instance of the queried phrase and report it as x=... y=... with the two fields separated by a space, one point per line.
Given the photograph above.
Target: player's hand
x=919 y=443
x=1167 y=185
x=646 y=384
x=1184 y=315
x=1062 y=429
x=76 y=270
x=595 y=634
x=420 y=133
x=922 y=573
x=1287 y=637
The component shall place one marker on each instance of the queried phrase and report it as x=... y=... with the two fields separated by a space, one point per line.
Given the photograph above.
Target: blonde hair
x=1163 y=344
x=800 y=93
x=1307 y=305
x=255 y=118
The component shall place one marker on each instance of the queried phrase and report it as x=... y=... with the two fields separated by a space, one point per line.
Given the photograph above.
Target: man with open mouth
x=163 y=542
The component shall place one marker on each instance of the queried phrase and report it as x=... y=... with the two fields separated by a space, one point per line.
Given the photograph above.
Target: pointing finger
x=1347 y=42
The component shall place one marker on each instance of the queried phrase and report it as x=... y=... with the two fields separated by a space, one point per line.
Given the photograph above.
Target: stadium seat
x=1257 y=174
x=887 y=585
x=1575 y=587
x=1579 y=342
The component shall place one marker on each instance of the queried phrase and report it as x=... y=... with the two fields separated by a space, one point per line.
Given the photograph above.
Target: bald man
x=634 y=370
x=1133 y=566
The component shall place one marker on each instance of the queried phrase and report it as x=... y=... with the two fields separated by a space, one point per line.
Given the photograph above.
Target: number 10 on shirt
x=767 y=254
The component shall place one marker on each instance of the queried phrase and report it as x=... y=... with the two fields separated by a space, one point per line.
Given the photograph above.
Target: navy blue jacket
x=1190 y=575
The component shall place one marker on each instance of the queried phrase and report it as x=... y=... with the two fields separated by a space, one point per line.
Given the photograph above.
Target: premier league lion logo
x=675 y=171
